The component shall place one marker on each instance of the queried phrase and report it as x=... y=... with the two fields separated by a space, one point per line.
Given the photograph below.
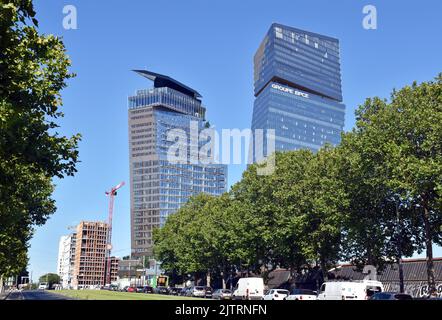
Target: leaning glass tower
x=297 y=84
x=160 y=187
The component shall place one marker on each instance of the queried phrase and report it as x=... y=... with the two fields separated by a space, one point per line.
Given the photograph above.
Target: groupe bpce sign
x=290 y=90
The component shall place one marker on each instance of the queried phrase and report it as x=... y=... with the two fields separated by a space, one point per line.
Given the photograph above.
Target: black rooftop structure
x=161 y=81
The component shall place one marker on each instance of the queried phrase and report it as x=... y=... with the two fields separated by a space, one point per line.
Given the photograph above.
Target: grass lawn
x=115 y=295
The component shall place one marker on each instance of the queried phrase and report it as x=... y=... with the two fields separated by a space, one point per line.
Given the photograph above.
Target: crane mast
x=112 y=193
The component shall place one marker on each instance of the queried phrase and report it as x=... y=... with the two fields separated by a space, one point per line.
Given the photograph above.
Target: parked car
x=174 y=291
x=111 y=287
x=209 y=293
x=131 y=289
x=124 y=289
x=139 y=289
x=184 y=291
x=276 y=294
x=147 y=289
x=161 y=290
x=391 y=296
x=197 y=291
x=349 y=290
x=249 y=289
x=302 y=294
x=222 y=294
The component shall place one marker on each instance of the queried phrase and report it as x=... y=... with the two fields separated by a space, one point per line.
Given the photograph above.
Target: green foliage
x=289 y=218
x=33 y=71
x=395 y=152
x=374 y=198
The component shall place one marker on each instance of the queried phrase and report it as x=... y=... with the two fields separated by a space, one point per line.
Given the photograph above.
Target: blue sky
x=208 y=45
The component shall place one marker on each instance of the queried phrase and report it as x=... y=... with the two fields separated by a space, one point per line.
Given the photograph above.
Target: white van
x=43 y=286
x=349 y=290
x=249 y=289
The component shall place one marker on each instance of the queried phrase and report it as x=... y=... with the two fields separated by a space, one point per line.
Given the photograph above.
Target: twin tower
x=297 y=84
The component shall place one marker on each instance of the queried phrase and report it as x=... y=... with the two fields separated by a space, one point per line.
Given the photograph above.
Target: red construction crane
x=112 y=193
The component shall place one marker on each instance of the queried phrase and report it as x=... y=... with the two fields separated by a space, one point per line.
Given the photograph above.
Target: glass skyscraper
x=160 y=187
x=297 y=83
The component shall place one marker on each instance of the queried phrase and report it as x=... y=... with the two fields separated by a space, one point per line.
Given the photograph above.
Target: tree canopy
x=371 y=200
x=33 y=72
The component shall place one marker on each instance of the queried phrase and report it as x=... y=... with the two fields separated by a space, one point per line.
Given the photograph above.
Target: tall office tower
x=159 y=187
x=90 y=255
x=66 y=257
x=297 y=80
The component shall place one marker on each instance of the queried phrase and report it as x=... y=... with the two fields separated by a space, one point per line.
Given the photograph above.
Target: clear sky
x=209 y=46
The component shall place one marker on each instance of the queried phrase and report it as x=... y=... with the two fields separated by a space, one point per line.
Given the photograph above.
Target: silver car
x=198 y=291
x=222 y=294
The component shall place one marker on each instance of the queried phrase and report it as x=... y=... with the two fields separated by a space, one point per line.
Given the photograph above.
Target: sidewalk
x=4 y=295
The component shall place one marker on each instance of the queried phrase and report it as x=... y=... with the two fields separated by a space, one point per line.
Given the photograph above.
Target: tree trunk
x=370 y=258
x=183 y=276
x=324 y=270
x=429 y=248
x=208 y=278
x=399 y=258
x=401 y=276
x=223 y=277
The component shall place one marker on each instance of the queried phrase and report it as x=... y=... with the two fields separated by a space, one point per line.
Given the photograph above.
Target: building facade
x=66 y=258
x=297 y=86
x=90 y=256
x=158 y=186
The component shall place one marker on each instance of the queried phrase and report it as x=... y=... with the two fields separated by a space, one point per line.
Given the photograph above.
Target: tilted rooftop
x=161 y=81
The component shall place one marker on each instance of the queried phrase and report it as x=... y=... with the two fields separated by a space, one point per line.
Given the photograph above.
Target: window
x=372 y=290
x=278 y=32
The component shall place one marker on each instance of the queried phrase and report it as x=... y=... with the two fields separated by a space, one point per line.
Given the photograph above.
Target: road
x=35 y=295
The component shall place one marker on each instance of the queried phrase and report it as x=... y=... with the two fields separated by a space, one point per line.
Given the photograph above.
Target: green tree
x=287 y=219
x=371 y=226
x=323 y=205
x=182 y=245
x=373 y=199
x=287 y=183
x=256 y=206
x=406 y=137
x=33 y=71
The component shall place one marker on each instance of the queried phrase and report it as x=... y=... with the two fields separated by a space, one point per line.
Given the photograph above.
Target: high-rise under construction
x=90 y=263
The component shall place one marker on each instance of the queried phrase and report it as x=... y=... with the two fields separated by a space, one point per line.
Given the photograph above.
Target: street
x=35 y=295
